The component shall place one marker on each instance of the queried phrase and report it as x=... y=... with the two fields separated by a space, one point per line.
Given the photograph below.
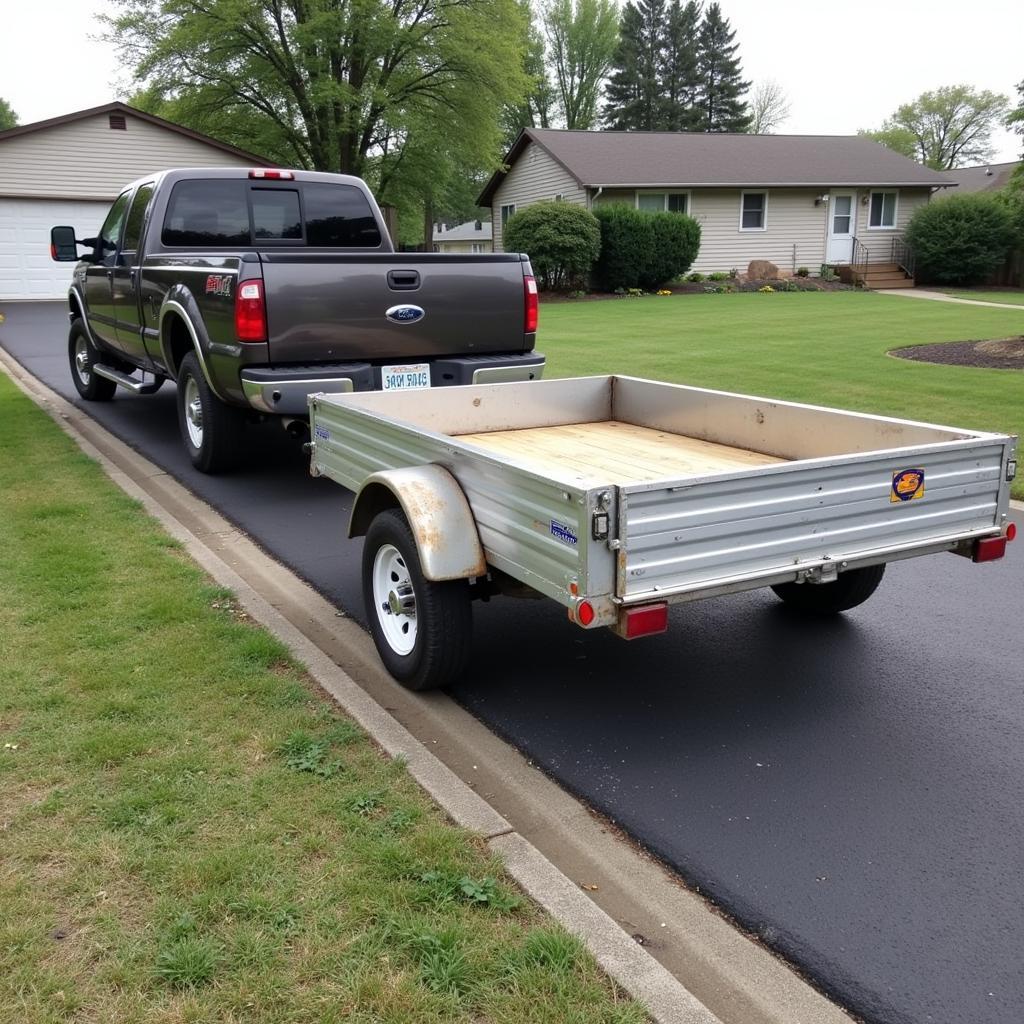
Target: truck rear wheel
x=211 y=430
x=83 y=357
x=848 y=590
x=422 y=629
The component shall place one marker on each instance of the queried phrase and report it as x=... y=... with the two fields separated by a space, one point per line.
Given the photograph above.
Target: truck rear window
x=220 y=212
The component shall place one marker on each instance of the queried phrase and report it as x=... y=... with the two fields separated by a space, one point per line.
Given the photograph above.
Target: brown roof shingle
x=690 y=159
x=984 y=178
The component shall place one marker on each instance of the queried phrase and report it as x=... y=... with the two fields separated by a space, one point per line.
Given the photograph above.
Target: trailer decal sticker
x=563 y=533
x=321 y=433
x=907 y=484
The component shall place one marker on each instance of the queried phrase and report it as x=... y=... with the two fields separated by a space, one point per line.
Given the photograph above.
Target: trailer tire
x=210 y=430
x=848 y=590
x=83 y=356
x=430 y=647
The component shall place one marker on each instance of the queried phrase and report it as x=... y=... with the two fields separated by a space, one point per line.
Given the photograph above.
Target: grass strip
x=190 y=832
x=822 y=348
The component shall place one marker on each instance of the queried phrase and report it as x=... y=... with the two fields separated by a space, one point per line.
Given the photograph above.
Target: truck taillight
x=532 y=311
x=250 y=312
x=266 y=174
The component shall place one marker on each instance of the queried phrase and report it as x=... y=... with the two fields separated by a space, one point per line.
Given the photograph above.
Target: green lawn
x=1015 y=297
x=825 y=348
x=189 y=832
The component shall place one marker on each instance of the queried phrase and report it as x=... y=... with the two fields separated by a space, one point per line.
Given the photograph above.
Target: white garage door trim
x=26 y=270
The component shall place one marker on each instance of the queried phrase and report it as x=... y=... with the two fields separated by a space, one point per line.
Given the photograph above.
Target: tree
x=352 y=87
x=722 y=108
x=769 y=107
x=900 y=140
x=633 y=92
x=1015 y=119
x=581 y=36
x=680 y=75
x=8 y=118
x=537 y=108
x=950 y=127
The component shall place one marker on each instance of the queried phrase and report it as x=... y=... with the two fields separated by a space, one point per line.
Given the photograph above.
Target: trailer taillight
x=988 y=549
x=250 y=312
x=584 y=613
x=644 y=620
x=532 y=309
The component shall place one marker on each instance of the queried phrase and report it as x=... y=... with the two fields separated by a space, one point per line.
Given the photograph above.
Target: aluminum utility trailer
x=616 y=496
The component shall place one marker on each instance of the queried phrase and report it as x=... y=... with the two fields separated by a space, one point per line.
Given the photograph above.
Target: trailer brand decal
x=907 y=484
x=563 y=533
x=322 y=433
x=218 y=284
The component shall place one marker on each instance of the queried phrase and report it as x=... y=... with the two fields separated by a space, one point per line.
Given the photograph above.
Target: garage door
x=26 y=270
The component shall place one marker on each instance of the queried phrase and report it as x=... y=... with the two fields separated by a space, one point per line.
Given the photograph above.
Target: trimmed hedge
x=561 y=239
x=643 y=250
x=960 y=240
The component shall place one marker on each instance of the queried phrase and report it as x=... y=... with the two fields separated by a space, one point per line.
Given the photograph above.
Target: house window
x=753 y=211
x=477 y=247
x=560 y=197
x=659 y=202
x=507 y=211
x=882 y=213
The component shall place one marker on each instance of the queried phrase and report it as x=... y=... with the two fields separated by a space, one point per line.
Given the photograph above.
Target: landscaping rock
x=762 y=270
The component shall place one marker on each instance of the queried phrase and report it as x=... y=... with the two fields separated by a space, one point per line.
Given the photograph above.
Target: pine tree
x=722 y=107
x=634 y=91
x=680 y=79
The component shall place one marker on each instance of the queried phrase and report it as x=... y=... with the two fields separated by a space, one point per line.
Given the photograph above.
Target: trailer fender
x=438 y=513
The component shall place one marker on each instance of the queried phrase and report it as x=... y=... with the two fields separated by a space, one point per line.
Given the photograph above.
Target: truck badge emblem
x=218 y=284
x=405 y=314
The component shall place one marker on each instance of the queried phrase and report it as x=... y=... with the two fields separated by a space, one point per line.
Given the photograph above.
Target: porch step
x=894 y=282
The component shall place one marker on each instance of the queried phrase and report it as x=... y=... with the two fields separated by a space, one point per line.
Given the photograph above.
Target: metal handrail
x=859 y=258
x=903 y=256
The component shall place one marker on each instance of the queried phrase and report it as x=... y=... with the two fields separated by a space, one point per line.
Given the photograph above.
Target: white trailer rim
x=394 y=599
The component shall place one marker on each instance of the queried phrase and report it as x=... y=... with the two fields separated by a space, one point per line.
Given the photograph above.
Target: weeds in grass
x=187 y=962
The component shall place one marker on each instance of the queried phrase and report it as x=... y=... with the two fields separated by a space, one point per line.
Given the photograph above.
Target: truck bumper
x=284 y=391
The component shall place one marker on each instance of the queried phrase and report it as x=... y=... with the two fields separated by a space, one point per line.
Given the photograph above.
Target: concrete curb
x=624 y=960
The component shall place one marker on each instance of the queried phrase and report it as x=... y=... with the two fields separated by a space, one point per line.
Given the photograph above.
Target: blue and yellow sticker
x=907 y=484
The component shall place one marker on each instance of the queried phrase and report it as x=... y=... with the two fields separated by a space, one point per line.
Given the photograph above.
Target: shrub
x=626 y=241
x=960 y=240
x=802 y=272
x=561 y=239
x=696 y=277
x=675 y=241
x=718 y=275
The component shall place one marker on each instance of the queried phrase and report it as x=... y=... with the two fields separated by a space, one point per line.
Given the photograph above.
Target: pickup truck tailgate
x=334 y=306
x=677 y=537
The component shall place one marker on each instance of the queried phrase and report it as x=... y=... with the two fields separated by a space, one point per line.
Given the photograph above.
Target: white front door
x=840 y=228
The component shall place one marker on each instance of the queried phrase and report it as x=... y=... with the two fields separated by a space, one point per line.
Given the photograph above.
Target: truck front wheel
x=211 y=430
x=848 y=590
x=422 y=629
x=83 y=357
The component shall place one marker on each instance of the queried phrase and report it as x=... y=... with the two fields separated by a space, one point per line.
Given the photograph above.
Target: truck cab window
x=207 y=212
x=136 y=218
x=110 y=233
x=339 y=216
x=275 y=214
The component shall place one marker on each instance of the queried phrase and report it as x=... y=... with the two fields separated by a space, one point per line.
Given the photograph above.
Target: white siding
x=443 y=246
x=878 y=241
x=87 y=159
x=532 y=178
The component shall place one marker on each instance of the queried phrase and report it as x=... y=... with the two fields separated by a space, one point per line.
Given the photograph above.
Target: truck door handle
x=403 y=280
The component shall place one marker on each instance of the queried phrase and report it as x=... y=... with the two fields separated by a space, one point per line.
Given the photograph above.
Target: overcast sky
x=844 y=66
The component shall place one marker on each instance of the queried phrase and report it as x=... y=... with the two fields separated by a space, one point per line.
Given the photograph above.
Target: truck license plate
x=405 y=378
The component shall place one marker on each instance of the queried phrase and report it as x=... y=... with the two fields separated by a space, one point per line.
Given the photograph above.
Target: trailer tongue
x=616 y=496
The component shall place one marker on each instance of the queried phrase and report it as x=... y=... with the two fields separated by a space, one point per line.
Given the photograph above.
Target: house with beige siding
x=69 y=169
x=472 y=237
x=796 y=200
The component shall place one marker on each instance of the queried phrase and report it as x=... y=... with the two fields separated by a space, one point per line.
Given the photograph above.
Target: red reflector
x=645 y=620
x=1011 y=531
x=989 y=549
x=585 y=613
x=532 y=310
x=250 y=314
x=265 y=174
x=53 y=251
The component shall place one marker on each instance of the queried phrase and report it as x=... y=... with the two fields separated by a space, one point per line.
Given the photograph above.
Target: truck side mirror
x=63 y=246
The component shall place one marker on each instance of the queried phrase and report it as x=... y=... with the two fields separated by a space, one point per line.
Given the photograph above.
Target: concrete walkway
x=924 y=293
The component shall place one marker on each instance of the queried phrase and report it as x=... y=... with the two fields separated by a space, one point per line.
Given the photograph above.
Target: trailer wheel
x=82 y=356
x=211 y=430
x=422 y=629
x=848 y=590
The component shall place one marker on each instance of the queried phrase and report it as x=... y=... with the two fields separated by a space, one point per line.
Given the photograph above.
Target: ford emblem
x=405 y=314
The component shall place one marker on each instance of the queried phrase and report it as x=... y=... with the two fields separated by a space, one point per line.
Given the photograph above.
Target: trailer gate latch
x=599 y=525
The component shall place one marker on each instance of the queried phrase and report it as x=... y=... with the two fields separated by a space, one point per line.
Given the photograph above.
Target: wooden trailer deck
x=613 y=452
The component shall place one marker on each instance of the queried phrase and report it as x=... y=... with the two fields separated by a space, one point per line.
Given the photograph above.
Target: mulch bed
x=802 y=284
x=993 y=354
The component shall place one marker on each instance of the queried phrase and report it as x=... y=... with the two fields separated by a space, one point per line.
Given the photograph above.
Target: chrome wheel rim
x=82 y=360
x=394 y=599
x=193 y=413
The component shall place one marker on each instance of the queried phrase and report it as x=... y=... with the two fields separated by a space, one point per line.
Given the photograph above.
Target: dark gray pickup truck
x=253 y=289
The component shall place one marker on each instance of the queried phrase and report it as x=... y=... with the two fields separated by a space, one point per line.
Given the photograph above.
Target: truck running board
x=124 y=380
